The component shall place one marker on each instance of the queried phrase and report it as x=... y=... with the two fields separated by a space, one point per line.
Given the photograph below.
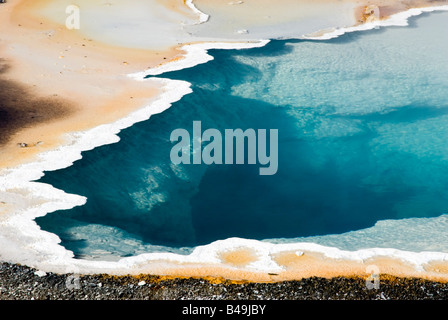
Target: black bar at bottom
x=251 y=309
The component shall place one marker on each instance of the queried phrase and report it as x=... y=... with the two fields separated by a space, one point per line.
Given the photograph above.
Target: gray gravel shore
x=23 y=283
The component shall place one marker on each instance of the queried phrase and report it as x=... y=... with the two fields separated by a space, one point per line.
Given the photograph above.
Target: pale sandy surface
x=254 y=19
x=264 y=19
x=52 y=62
x=85 y=73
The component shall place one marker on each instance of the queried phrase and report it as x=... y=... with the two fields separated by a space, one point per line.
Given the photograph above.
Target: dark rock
x=22 y=283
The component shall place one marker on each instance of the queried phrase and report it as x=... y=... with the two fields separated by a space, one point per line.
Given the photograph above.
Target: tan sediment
x=238 y=257
x=437 y=270
x=208 y=271
x=316 y=264
x=54 y=63
x=438 y=267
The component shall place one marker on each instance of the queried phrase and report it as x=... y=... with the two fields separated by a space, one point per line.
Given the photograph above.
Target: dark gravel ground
x=22 y=283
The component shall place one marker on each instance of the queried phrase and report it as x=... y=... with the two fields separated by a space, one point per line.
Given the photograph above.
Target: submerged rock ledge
x=23 y=283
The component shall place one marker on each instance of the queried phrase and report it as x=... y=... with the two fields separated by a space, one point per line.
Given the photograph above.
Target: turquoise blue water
x=362 y=123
